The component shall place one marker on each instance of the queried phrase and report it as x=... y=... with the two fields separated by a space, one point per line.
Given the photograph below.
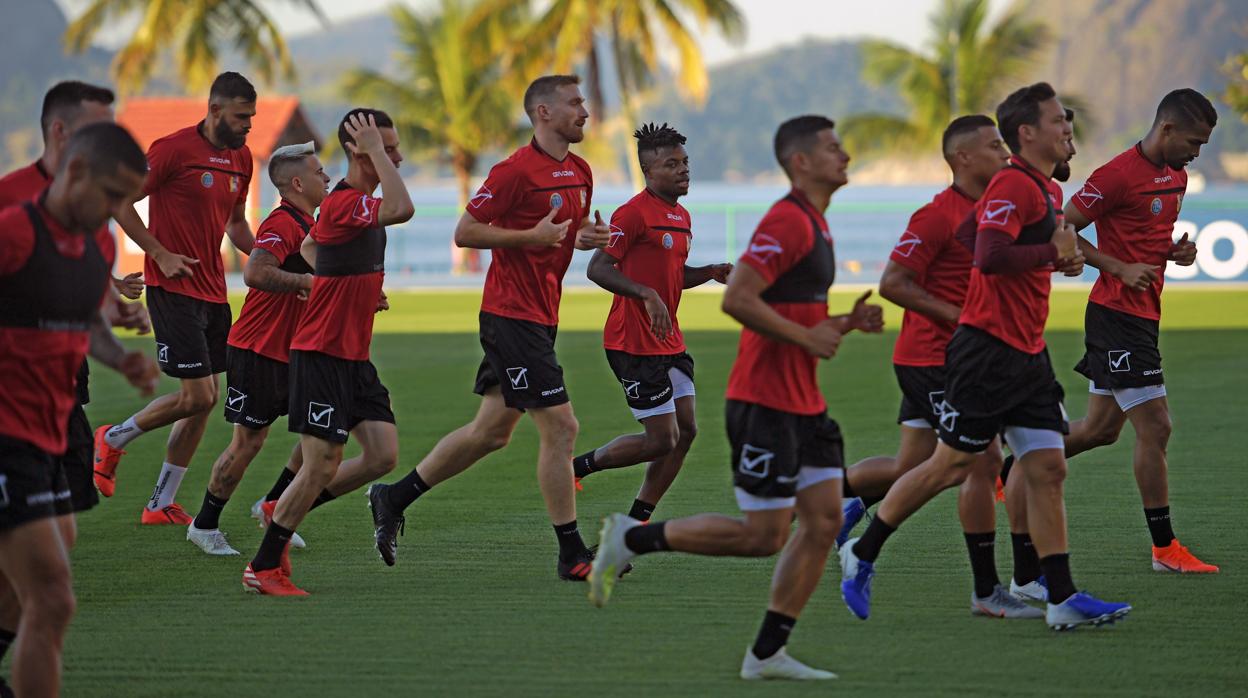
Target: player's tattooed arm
x=604 y=272
x=743 y=301
x=171 y=264
x=239 y=230
x=696 y=276
x=900 y=285
x=263 y=273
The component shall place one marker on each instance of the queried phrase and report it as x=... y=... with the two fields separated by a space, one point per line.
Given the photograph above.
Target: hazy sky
x=771 y=22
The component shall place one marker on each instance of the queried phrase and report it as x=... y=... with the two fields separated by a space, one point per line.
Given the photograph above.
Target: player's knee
x=52 y=606
x=765 y=542
x=493 y=438
x=248 y=442
x=383 y=460
x=197 y=400
x=823 y=529
x=1156 y=430
x=659 y=443
x=1046 y=471
x=563 y=430
x=688 y=432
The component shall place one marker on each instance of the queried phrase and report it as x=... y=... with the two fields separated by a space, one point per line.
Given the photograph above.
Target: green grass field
x=474 y=607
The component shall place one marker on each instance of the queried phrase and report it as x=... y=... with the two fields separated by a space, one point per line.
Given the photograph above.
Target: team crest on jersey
x=1155 y=207
x=233 y=184
x=556 y=200
x=206 y=180
x=668 y=241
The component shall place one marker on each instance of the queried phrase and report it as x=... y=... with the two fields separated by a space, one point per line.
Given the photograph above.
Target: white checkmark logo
x=162 y=353
x=906 y=245
x=519 y=377
x=234 y=400
x=319 y=413
x=1119 y=361
x=997 y=211
x=631 y=388
x=755 y=461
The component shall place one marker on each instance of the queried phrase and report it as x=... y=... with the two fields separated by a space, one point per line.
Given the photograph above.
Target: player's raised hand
x=1183 y=252
x=823 y=339
x=1138 y=276
x=660 y=318
x=720 y=272
x=548 y=233
x=175 y=266
x=383 y=303
x=363 y=131
x=866 y=317
x=140 y=371
x=596 y=236
x=131 y=286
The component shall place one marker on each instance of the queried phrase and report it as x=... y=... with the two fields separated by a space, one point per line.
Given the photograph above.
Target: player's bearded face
x=568 y=114
x=234 y=123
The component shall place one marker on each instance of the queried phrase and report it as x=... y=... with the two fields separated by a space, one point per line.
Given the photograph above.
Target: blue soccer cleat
x=1084 y=609
x=856 y=578
x=852 y=512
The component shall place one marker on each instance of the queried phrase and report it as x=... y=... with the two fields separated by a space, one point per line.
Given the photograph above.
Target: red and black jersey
x=52 y=282
x=525 y=283
x=192 y=189
x=942 y=267
x=267 y=321
x=1014 y=307
x=350 y=269
x=792 y=250
x=1134 y=204
x=650 y=239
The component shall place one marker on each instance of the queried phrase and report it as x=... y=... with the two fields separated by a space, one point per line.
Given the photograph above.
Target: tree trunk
x=463 y=260
x=593 y=79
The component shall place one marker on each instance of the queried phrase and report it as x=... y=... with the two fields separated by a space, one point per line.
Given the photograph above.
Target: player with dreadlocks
x=645 y=266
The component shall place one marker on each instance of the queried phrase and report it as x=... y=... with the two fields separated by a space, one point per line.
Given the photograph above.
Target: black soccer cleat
x=387 y=523
x=578 y=569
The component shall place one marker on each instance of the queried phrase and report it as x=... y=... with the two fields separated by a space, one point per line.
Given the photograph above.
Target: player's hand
x=1071 y=266
x=131 y=287
x=303 y=293
x=866 y=317
x=141 y=371
x=1138 y=276
x=383 y=303
x=1183 y=252
x=175 y=266
x=1066 y=240
x=130 y=316
x=824 y=339
x=720 y=272
x=660 y=318
x=595 y=237
x=366 y=136
x=548 y=233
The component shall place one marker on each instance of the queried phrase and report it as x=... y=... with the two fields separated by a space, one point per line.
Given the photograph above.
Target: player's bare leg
x=489 y=431
x=661 y=432
x=1099 y=427
x=871 y=478
x=321 y=459
x=379 y=442
x=34 y=558
x=662 y=472
x=227 y=472
x=556 y=430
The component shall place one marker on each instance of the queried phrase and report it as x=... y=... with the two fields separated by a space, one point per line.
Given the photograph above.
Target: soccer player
x=54 y=272
x=259 y=346
x=787 y=454
x=522 y=213
x=334 y=388
x=197 y=188
x=644 y=266
x=1134 y=200
x=997 y=370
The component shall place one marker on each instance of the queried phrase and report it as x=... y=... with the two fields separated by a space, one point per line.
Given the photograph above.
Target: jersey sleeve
x=279 y=236
x=17 y=239
x=499 y=193
x=344 y=215
x=781 y=240
x=1010 y=203
x=627 y=224
x=160 y=165
x=926 y=235
x=1100 y=193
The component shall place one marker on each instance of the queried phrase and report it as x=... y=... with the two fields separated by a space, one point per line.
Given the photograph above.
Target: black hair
x=650 y=138
x=65 y=99
x=381 y=118
x=798 y=135
x=1187 y=108
x=106 y=146
x=231 y=85
x=544 y=88
x=969 y=123
x=1022 y=108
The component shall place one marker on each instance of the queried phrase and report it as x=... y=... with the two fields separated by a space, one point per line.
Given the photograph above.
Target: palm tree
x=195 y=30
x=449 y=95
x=968 y=66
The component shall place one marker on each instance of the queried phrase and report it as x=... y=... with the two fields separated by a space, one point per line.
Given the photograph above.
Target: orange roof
x=149 y=118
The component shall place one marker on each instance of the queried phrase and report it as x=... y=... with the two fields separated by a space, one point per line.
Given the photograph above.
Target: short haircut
x=1187 y=108
x=65 y=100
x=962 y=126
x=381 y=118
x=798 y=135
x=231 y=85
x=286 y=160
x=650 y=138
x=544 y=88
x=106 y=147
x=1022 y=108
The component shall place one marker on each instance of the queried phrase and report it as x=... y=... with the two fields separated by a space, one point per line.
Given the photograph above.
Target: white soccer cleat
x=1034 y=590
x=780 y=666
x=611 y=558
x=211 y=541
x=1001 y=604
x=296 y=540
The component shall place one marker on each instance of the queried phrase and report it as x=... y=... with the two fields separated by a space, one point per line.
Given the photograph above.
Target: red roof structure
x=278 y=121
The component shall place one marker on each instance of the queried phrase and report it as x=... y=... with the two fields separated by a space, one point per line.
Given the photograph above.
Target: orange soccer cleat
x=106 y=459
x=173 y=514
x=272 y=582
x=1176 y=558
x=266 y=518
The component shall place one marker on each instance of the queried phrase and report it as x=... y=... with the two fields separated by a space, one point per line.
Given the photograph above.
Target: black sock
x=847 y=490
x=209 y=516
x=868 y=501
x=774 y=634
x=1026 y=561
x=981 y=547
x=1159 y=526
x=324 y=497
x=1057 y=576
x=6 y=639
x=583 y=464
x=284 y=479
x=570 y=543
x=402 y=493
x=1005 y=468
x=269 y=556
x=651 y=538
x=642 y=511
x=868 y=547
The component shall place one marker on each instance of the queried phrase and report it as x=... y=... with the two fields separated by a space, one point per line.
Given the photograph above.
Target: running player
x=522 y=213
x=998 y=373
x=54 y=272
x=334 y=388
x=644 y=266
x=197 y=188
x=259 y=345
x=786 y=451
x=1134 y=200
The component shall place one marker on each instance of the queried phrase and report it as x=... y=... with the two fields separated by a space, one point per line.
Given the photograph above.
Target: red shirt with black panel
x=266 y=324
x=526 y=283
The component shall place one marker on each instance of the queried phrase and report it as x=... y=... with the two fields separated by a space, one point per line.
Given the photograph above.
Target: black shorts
x=922 y=393
x=991 y=385
x=190 y=333
x=646 y=379
x=770 y=449
x=32 y=484
x=258 y=388
x=1121 y=350
x=329 y=396
x=520 y=359
x=78 y=463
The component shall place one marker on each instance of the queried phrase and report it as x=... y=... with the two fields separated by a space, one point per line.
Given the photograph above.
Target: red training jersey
x=27 y=183
x=525 y=283
x=1134 y=204
x=192 y=189
x=338 y=317
x=650 y=239
x=942 y=267
x=767 y=372
x=267 y=321
x=1013 y=307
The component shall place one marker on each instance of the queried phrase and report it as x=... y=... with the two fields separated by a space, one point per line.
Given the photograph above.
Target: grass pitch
x=474 y=607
